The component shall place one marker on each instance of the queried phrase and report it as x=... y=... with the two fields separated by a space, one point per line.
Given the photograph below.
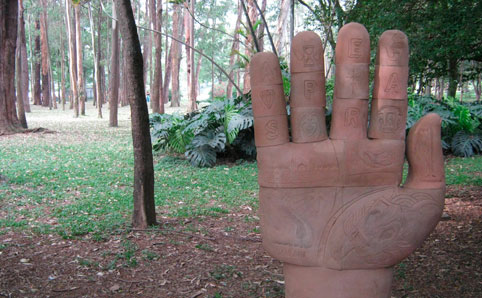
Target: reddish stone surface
x=332 y=209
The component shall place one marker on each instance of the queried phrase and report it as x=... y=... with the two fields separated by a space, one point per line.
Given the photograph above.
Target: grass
x=79 y=180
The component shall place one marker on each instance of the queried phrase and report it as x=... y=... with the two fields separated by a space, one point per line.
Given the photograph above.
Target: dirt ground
x=223 y=257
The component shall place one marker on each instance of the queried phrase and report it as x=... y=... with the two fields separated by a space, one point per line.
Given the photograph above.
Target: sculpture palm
x=332 y=209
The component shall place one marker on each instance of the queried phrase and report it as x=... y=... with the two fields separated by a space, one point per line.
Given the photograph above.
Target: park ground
x=65 y=202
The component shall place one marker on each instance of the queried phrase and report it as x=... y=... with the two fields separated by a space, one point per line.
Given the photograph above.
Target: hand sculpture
x=332 y=209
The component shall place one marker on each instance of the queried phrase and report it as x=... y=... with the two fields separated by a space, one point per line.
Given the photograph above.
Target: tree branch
x=250 y=26
x=267 y=29
x=194 y=49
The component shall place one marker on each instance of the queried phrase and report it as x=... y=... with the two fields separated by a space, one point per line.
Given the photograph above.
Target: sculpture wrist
x=311 y=282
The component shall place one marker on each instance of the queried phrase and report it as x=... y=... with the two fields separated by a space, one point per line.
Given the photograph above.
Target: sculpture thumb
x=424 y=154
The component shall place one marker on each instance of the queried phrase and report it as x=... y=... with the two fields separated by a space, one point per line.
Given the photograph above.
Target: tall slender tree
x=8 y=36
x=44 y=47
x=192 y=87
x=80 y=67
x=157 y=80
x=37 y=91
x=234 y=49
x=96 y=63
x=74 y=94
x=18 y=66
x=144 y=207
x=114 y=70
x=177 y=29
x=24 y=76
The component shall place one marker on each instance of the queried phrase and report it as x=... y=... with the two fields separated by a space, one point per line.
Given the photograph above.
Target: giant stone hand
x=332 y=208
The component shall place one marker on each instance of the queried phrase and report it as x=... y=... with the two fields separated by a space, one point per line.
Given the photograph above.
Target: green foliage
x=466 y=144
x=222 y=127
x=461 y=132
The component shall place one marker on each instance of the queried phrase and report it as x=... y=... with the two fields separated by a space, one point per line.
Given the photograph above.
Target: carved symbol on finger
x=393 y=85
x=389 y=119
x=354 y=48
x=310 y=124
x=309 y=89
x=268 y=98
x=352 y=116
x=308 y=55
x=394 y=51
x=272 y=131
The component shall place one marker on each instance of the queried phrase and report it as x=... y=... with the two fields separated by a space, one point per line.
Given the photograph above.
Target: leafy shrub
x=223 y=128
x=461 y=133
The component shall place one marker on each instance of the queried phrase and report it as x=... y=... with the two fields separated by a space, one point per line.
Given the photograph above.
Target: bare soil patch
x=223 y=257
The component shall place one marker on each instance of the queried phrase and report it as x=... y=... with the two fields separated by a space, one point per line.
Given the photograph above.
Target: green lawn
x=79 y=180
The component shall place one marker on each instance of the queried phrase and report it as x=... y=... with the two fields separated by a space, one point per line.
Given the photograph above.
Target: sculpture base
x=311 y=282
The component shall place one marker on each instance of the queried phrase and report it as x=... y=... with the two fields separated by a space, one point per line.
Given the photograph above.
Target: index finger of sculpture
x=307 y=100
x=350 y=100
x=389 y=104
x=269 y=105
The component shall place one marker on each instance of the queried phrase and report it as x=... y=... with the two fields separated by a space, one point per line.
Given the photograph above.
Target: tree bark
x=187 y=41
x=96 y=64
x=282 y=26
x=80 y=68
x=157 y=81
x=74 y=93
x=192 y=90
x=44 y=46
x=37 y=91
x=18 y=69
x=477 y=88
x=23 y=56
x=234 y=49
x=147 y=51
x=176 y=55
x=453 y=76
x=114 y=70
x=8 y=42
x=144 y=207
x=167 y=72
x=261 y=26
x=62 y=72
x=250 y=40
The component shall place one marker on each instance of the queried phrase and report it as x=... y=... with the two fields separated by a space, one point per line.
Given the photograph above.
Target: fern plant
x=224 y=127
x=466 y=144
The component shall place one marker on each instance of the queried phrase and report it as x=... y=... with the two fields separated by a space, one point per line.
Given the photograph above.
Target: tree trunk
x=167 y=79
x=167 y=72
x=144 y=207
x=477 y=88
x=96 y=64
x=23 y=57
x=282 y=27
x=147 y=51
x=453 y=76
x=44 y=46
x=53 y=102
x=124 y=100
x=18 y=70
x=192 y=91
x=187 y=41
x=80 y=67
x=157 y=81
x=234 y=48
x=8 y=36
x=99 y=54
x=74 y=90
x=261 y=27
x=36 y=73
x=253 y=16
x=177 y=28
x=114 y=70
